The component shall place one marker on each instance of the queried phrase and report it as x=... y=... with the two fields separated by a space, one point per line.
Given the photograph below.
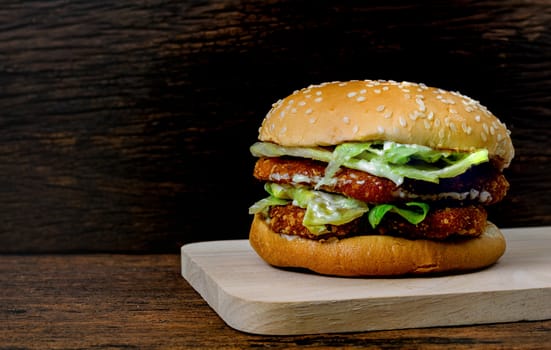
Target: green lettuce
x=387 y=159
x=377 y=213
x=321 y=208
x=331 y=209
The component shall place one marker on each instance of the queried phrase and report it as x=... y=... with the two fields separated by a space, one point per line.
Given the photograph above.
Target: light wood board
x=253 y=297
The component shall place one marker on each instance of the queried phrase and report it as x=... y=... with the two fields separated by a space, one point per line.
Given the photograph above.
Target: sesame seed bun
x=376 y=255
x=332 y=113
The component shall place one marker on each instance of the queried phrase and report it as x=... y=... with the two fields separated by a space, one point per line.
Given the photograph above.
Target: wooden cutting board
x=253 y=297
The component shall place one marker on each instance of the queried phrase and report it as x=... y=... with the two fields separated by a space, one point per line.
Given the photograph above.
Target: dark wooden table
x=105 y=301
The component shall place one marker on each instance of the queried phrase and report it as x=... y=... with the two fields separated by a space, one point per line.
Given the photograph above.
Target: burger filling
x=386 y=159
x=375 y=188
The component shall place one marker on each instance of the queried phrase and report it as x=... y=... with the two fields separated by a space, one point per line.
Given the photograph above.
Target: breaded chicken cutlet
x=481 y=184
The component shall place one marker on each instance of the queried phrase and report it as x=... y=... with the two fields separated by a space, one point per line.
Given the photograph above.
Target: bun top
x=335 y=112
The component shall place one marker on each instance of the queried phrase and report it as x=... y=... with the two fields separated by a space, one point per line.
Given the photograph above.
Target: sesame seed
x=363 y=91
x=351 y=94
x=343 y=84
x=421 y=104
x=355 y=129
x=380 y=108
x=485 y=127
x=318 y=99
x=431 y=115
x=308 y=111
x=291 y=101
x=441 y=133
x=283 y=130
x=483 y=136
x=302 y=103
x=427 y=124
x=385 y=88
x=499 y=137
x=318 y=93
x=377 y=91
x=380 y=129
x=477 y=118
x=360 y=98
x=492 y=130
x=294 y=110
x=403 y=122
x=437 y=123
x=346 y=120
x=452 y=127
x=388 y=114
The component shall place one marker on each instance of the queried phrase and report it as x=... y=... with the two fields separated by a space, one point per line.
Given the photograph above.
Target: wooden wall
x=125 y=125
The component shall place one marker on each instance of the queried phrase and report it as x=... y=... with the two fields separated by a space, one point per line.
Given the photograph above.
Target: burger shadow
x=420 y=276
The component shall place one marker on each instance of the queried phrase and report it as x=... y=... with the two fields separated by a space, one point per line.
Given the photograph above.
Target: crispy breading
x=439 y=224
x=287 y=219
x=481 y=184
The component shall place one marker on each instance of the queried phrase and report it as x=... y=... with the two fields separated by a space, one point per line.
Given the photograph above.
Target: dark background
x=125 y=126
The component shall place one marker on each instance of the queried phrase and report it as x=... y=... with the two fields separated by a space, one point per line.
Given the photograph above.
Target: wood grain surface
x=253 y=297
x=102 y=301
x=125 y=126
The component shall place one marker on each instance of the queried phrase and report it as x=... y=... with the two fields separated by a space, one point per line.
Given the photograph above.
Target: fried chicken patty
x=481 y=184
x=440 y=223
x=287 y=219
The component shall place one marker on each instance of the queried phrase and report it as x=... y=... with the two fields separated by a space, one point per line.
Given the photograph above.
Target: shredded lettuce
x=377 y=213
x=264 y=204
x=321 y=208
x=387 y=159
x=326 y=208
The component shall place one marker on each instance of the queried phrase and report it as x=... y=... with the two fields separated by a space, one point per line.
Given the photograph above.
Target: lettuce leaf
x=332 y=209
x=387 y=159
x=377 y=213
x=321 y=208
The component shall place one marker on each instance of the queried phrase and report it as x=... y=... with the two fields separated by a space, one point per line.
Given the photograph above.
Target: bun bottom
x=376 y=255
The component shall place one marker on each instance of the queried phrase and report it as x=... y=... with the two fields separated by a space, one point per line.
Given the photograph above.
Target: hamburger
x=379 y=178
